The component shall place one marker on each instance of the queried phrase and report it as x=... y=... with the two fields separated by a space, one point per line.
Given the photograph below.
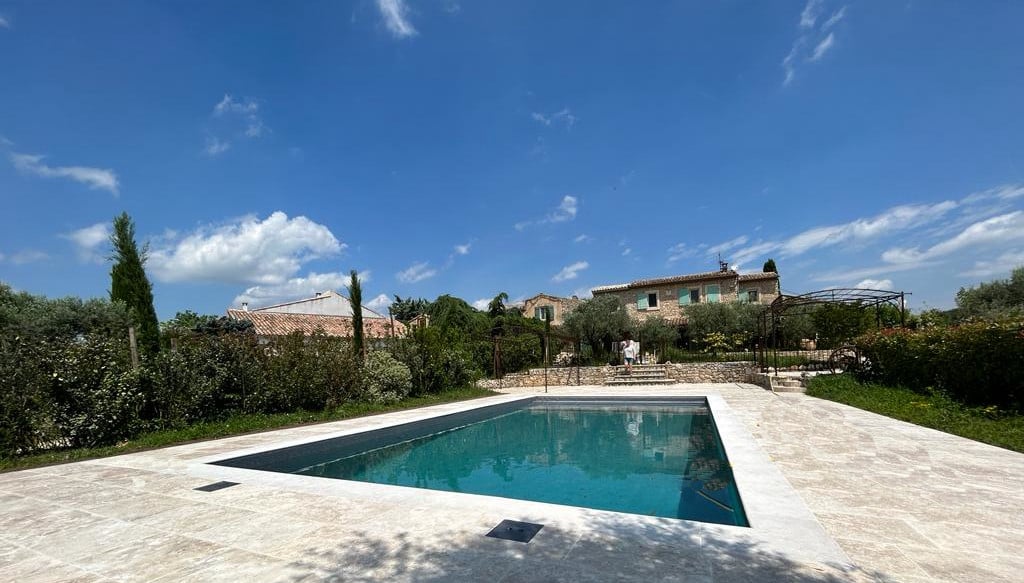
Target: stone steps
x=643 y=374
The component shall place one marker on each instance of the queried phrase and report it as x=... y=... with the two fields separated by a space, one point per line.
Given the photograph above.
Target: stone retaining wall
x=712 y=372
x=695 y=372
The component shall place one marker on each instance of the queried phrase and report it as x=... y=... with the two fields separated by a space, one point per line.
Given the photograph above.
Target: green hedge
x=979 y=363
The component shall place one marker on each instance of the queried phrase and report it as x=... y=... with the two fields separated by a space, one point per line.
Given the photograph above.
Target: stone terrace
x=904 y=503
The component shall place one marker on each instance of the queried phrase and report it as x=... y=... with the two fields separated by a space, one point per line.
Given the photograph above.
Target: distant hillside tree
x=995 y=299
x=355 y=295
x=408 y=308
x=129 y=284
x=769 y=266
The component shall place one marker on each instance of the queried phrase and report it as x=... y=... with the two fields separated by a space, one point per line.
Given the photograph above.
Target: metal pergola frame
x=787 y=304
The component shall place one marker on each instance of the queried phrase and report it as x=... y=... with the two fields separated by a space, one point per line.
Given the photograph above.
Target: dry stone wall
x=697 y=372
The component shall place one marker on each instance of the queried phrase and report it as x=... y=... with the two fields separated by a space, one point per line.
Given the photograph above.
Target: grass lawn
x=236 y=425
x=1002 y=429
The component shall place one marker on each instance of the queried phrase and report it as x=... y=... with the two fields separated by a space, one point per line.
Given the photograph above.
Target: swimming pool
x=657 y=457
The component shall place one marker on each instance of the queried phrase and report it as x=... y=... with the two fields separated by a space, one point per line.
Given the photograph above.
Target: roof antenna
x=723 y=266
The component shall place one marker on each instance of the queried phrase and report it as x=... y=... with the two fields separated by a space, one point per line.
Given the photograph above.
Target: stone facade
x=668 y=297
x=559 y=307
x=695 y=372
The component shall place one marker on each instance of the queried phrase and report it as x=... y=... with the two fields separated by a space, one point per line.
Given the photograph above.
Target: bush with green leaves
x=436 y=360
x=97 y=398
x=978 y=363
x=26 y=408
x=733 y=319
x=385 y=379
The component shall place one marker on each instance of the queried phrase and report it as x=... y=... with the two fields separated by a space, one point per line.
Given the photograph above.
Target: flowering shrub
x=978 y=363
x=385 y=380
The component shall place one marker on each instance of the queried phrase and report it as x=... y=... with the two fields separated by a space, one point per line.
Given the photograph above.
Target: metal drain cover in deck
x=215 y=486
x=514 y=530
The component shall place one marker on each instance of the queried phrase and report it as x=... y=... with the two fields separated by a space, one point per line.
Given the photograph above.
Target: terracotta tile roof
x=281 y=324
x=680 y=279
x=757 y=276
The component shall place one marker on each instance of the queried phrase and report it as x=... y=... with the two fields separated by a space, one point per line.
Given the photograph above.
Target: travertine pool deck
x=901 y=503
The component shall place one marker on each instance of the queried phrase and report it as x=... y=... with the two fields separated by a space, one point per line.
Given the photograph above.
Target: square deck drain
x=522 y=532
x=215 y=486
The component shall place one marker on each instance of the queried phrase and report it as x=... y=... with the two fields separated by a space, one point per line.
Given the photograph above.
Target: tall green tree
x=355 y=296
x=129 y=284
x=769 y=266
x=408 y=308
x=995 y=299
x=598 y=322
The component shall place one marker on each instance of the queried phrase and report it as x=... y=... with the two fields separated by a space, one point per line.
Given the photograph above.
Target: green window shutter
x=714 y=295
x=538 y=313
x=641 y=301
x=741 y=297
x=684 y=297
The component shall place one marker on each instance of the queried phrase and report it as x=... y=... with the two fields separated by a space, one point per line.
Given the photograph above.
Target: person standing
x=629 y=353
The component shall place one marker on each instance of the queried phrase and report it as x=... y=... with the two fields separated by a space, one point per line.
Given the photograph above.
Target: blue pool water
x=654 y=459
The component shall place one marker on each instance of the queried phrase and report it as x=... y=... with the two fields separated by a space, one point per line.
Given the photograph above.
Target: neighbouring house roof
x=283 y=324
x=341 y=305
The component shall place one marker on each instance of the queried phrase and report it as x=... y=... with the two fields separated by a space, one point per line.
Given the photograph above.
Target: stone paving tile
x=255 y=532
x=153 y=557
x=41 y=570
x=885 y=558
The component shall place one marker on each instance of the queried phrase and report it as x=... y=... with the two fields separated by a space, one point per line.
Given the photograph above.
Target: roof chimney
x=318 y=294
x=245 y=306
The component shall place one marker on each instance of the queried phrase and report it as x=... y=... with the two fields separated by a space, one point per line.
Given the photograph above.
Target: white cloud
x=23 y=257
x=248 y=110
x=1002 y=192
x=94 y=178
x=380 y=304
x=570 y=271
x=88 y=240
x=396 y=18
x=726 y=246
x=834 y=19
x=809 y=15
x=566 y=211
x=888 y=222
x=583 y=239
x=416 y=272
x=249 y=250
x=463 y=249
x=810 y=46
x=481 y=304
x=292 y=289
x=679 y=251
x=215 y=146
x=4 y=23
x=229 y=104
x=1005 y=263
x=627 y=251
x=1008 y=227
x=882 y=284
x=564 y=117
x=822 y=47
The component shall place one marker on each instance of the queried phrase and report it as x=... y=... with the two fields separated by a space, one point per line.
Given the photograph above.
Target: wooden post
x=133 y=345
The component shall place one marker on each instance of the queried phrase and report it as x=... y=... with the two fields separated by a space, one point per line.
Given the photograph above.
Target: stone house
x=668 y=297
x=556 y=307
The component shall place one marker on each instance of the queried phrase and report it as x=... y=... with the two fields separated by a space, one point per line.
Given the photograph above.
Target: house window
x=544 y=313
x=713 y=293
x=647 y=301
x=689 y=296
x=749 y=296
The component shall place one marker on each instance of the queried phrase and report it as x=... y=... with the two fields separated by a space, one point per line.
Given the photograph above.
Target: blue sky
x=265 y=149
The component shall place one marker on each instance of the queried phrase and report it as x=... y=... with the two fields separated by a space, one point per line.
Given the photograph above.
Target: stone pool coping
x=778 y=518
x=905 y=503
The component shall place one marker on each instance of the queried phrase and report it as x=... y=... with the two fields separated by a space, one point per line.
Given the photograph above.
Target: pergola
x=786 y=304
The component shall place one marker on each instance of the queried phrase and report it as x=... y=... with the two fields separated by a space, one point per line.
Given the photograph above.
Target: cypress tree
x=769 y=266
x=129 y=284
x=355 y=296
